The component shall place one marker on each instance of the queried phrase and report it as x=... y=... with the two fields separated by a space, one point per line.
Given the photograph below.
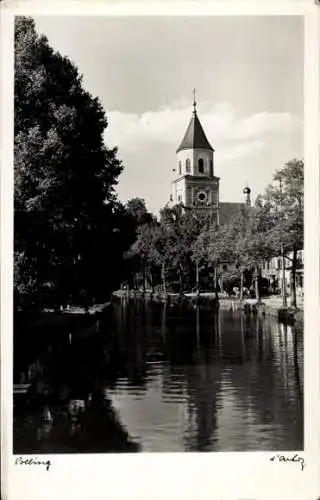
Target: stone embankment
x=268 y=306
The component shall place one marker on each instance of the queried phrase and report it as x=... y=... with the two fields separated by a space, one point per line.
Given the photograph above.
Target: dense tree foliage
x=64 y=197
x=284 y=203
x=164 y=248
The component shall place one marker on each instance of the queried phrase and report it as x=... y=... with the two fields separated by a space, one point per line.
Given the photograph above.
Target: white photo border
x=249 y=475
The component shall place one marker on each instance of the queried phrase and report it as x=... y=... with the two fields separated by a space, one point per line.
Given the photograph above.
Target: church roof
x=195 y=138
x=227 y=211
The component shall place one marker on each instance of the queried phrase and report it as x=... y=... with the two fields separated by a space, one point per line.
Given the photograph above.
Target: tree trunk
x=197 y=278
x=256 y=282
x=284 y=288
x=180 y=280
x=241 y=285
x=163 y=320
x=152 y=280
x=221 y=284
x=144 y=278
x=216 y=281
x=164 y=279
x=293 y=279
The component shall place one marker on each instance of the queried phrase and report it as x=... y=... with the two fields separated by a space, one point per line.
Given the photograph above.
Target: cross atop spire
x=194 y=101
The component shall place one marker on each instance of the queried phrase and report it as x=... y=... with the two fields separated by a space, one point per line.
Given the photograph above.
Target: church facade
x=195 y=185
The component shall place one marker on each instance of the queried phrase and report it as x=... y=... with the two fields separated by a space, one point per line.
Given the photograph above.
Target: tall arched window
x=200 y=166
x=180 y=168
x=188 y=166
x=211 y=168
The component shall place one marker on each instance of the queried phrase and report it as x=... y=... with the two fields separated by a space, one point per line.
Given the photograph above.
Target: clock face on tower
x=202 y=196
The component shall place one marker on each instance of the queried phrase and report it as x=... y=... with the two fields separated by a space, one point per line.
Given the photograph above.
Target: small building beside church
x=272 y=271
x=195 y=185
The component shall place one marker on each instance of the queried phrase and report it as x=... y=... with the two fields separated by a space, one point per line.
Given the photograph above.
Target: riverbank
x=96 y=308
x=272 y=306
x=269 y=306
x=34 y=332
x=64 y=318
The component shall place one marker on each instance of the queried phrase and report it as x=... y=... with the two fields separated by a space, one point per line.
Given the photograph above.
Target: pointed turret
x=195 y=138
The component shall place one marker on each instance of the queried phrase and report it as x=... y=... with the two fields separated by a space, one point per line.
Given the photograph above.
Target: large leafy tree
x=253 y=245
x=136 y=208
x=182 y=230
x=136 y=216
x=240 y=245
x=284 y=202
x=214 y=247
x=65 y=232
x=144 y=250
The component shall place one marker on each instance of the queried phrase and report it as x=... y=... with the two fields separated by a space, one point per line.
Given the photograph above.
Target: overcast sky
x=248 y=75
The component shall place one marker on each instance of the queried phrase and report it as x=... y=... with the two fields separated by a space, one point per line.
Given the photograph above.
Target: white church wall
x=179 y=194
x=183 y=156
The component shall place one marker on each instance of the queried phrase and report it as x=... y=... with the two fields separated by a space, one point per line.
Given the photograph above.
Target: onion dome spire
x=247 y=192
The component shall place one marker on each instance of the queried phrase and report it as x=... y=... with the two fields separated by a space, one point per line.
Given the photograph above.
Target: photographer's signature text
x=295 y=459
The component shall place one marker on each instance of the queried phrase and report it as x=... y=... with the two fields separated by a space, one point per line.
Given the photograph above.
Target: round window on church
x=202 y=197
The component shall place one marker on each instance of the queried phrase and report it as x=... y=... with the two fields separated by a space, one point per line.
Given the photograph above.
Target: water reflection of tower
x=232 y=348
x=203 y=380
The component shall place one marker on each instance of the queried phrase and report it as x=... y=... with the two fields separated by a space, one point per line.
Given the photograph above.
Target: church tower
x=195 y=185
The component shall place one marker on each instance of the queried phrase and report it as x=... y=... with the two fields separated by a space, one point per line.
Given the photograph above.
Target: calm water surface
x=178 y=379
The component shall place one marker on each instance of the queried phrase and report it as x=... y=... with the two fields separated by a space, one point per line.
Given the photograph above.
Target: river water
x=172 y=379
